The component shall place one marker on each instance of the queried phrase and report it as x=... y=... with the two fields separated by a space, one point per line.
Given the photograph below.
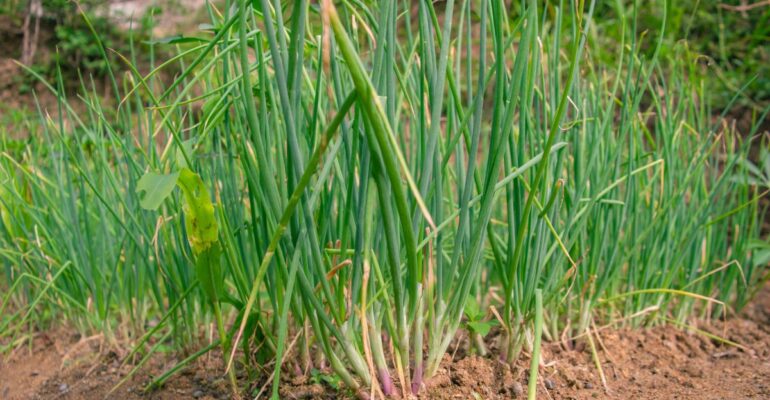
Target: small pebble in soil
x=198 y=394
x=549 y=384
x=588 y=385
x=64 y=388
x=517 y=389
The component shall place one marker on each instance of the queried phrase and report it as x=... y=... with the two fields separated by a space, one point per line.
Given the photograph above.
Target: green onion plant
x=354 y=173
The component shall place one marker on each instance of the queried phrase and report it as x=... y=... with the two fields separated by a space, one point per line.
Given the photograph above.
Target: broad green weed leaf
x=156 y=188
x=482 y=327
x=472 y=309
x=201 y=223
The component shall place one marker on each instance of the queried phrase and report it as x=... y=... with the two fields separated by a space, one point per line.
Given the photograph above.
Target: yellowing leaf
x=201 y=223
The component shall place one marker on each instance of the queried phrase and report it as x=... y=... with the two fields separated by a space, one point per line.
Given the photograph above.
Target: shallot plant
x=366 y=186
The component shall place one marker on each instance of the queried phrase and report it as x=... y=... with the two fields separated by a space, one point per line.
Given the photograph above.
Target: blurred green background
x=729 y=41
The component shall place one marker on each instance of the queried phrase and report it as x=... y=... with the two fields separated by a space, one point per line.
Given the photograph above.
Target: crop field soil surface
x=663 y=362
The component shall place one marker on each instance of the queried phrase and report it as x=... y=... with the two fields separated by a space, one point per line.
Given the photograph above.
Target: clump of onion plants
x=363 y=181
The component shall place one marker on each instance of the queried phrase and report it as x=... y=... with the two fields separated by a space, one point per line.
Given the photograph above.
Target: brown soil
x=67 y=366
x=657 y=363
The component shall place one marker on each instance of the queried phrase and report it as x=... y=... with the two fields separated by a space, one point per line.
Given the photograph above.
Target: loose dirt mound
x=658 y=363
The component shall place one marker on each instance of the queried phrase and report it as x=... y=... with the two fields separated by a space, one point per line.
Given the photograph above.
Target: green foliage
x=156 y=188
x=199 y=212
x=202 y=233
x=475 y=318
x=372 y=183
x=209 y=271
x=756 y=173
x=200 y=221
x=331 y=380
x=72 y=47
x=76 y=45
x=726 y=42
